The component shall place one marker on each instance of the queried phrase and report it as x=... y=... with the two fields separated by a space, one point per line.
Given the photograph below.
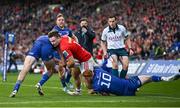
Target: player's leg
x=75 y=71
x=147 y=79
x=114 y=65
x=64 y=75
x=49 y=69
x=29 y=60
x=125 y=62
x=87 y=67
x=123 y=57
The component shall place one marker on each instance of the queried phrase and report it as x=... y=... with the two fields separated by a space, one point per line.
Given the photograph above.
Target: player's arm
x=104 y=43
x=70 y=62
x=127 y=39
x=62 y=61
x=72 y=35
x=104 y=47
x=128 y=42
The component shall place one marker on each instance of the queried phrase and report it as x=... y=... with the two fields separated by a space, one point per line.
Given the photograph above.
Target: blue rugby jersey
x=105 y=82
x=64 y=31
x=42 y=48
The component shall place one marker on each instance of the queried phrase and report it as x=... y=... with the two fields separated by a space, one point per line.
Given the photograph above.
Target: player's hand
x=91 y=91
x=105 y=94
x=62 y=63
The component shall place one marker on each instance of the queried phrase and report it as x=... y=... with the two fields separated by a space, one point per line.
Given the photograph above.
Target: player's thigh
x=28 y=62
x=88 y=65
x=114 y=60
x=50 y=65
x=124 y=60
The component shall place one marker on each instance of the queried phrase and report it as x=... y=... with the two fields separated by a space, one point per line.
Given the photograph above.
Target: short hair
x=84 y=19
x=53 y=33
x=112 y=16
x=59 y=15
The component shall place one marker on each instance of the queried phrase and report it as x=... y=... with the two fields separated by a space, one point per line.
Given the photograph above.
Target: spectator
x=85 y=35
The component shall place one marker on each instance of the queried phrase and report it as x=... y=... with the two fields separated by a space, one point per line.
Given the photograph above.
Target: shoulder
x=43 y=37
x=66 y=28
x=106 y=29
x=56 y=27
x=121 y=27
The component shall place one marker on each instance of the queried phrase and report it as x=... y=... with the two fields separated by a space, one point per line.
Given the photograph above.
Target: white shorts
x=88 y=65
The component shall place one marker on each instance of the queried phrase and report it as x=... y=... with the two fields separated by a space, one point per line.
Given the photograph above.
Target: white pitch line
x=163 y=97
x=26 y=85
x=168 y=97
x=85 y=101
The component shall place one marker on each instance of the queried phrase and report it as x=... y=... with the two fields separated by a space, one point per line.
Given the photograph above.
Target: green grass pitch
x=163 y=94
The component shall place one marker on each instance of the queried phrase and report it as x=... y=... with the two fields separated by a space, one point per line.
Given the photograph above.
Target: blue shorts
x=118 y=52
x=42 y=50
x=132 y=85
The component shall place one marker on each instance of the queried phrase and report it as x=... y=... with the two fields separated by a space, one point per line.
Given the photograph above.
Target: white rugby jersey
x=114 y=40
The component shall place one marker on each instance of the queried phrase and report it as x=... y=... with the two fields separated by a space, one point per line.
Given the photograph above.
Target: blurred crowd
x=154 y=25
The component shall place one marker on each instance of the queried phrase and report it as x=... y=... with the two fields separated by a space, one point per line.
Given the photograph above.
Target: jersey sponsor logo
x=115 y=38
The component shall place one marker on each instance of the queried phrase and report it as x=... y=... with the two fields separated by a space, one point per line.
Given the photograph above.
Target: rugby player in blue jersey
x=105 y=83
x=61 y=28
x=42 y=48
x=64 y=31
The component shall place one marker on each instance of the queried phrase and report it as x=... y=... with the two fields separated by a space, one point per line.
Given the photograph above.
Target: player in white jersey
x=113 y=43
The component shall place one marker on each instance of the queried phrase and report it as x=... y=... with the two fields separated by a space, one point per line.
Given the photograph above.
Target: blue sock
x=156 y=78
x=44 y=78
x=115 y=72
x=123 y=73
x=67 y=80
x=17 y=85
x=63 y=82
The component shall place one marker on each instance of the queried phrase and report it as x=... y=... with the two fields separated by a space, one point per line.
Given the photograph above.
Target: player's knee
x=115 y=66
x=125 y=66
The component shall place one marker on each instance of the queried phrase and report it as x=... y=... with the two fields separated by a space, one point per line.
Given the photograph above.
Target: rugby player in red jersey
x=72 y=50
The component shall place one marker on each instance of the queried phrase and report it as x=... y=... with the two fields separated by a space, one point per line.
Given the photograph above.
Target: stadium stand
x=154 y=25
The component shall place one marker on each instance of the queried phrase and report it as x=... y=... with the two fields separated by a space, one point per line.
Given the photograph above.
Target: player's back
x=79 y=53
x=105 y=82
x=43 y=39
x=42 y=48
